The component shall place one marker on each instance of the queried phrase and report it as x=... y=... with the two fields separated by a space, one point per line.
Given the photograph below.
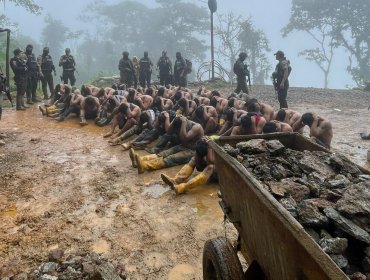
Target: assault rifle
x=4 y=87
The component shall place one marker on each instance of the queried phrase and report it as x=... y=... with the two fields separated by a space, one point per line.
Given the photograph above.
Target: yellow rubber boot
x=133 y=155
x=198 y=180
x=181 y=176
x=153 y=164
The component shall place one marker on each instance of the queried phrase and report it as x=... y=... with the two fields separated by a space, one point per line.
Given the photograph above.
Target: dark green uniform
x=68 y=63
x=145 y=71
x=32 y=77
x=241 y=71
x=180 y=73
x=47 y=66
x=126 y=69
x=20 y=77
x=165 y=68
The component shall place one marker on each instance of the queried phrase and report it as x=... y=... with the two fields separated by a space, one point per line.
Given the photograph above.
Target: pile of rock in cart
x=326 y=193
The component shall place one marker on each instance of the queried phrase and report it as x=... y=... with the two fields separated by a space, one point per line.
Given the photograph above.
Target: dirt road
x=63 y=186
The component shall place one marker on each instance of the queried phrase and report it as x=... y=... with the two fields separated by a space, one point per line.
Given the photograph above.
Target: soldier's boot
x=133 y=155
x=152 y=164
x=43 y=111
x=181 y=176
x=83 y=120
x=29 y=101
x=198 y=180
x=60 y=118
x=18 y=102
x=35 y=99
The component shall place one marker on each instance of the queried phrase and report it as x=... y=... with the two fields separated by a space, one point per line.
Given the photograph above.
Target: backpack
x=236 y=68
x=189 y=66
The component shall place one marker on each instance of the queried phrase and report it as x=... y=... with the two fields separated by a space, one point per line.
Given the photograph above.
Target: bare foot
x=108 y=134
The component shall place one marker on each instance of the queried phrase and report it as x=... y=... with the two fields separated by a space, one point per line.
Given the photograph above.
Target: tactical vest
x=145 y=64
x=125 y=65
x=46 y=63
x=164 y=64
x=32 y=63
x=180 y=65
x=69 y=64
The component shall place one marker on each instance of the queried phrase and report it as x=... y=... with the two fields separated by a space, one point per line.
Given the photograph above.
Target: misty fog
x=269 y=16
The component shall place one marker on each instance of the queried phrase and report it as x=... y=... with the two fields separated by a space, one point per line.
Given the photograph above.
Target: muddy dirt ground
x=63 y=186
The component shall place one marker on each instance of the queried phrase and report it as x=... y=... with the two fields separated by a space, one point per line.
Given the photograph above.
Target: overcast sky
x=269 y=15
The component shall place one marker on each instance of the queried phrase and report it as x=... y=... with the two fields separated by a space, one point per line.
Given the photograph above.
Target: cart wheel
x=220 y=261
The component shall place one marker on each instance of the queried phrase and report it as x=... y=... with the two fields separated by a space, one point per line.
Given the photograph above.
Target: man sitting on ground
x=203 y=161
x=321 y=130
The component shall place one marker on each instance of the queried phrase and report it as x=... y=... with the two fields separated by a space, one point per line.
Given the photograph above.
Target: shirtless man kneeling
x=321 y=130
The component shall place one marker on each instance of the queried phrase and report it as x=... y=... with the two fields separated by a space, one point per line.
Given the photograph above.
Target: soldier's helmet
x=46 y=50
x=125 y=54
x=68 y=50
x=164 y=53
x=17 y=51
x=145 y=54
x=243 y=55
x=29 y=47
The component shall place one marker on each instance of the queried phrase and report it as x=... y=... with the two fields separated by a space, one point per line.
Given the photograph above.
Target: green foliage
x=346 y=22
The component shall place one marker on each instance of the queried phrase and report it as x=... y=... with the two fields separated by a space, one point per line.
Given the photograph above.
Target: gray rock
x=355 y=201
x=105 y=271
x=320 y=203
x=2 y=143
x=289 y=204
x=340 y=260
x=231 y=150
x=278 y=172
x=315 y=236
x=332 y=196
x=310 y=164
x=87 y=268
x=48 y=277
x=49 y=267
x=339 y=183
x=56 y=255
x=343 y=165
x=254 y=146
x=325 y=234
x=366 y=264
x=70 y=273
x=367 y=251
x=275 y=147
x=309 y=215
x=358 y=276
x=347 y=226
x=22 y=276
x=335 y=246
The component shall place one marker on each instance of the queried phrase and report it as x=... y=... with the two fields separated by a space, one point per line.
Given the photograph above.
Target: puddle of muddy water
x=155 y=191
x=10 y=212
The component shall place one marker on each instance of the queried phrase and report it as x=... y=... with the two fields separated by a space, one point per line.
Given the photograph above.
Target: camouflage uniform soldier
x=126 y=69
x=165 y=69
x=34 y=72
x=19 y=67
x=280 y=78
x=47 y=66
x=69 y=67
x=241 y=71
x=180 y=71
x=145 y=70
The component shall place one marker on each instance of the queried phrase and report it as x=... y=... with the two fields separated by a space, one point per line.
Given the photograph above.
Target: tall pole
x=212 y=4
x=212 y=49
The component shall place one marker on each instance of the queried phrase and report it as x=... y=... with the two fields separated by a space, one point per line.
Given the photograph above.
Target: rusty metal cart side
x=269 y=236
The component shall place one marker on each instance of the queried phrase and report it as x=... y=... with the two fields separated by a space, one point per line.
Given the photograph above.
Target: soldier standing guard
x=19 y=67
x=47 y=66
x=145 y=70
x=33 y=74
x=126 y=69
x=241 y=71
x=69 y=66
x=165 y=69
